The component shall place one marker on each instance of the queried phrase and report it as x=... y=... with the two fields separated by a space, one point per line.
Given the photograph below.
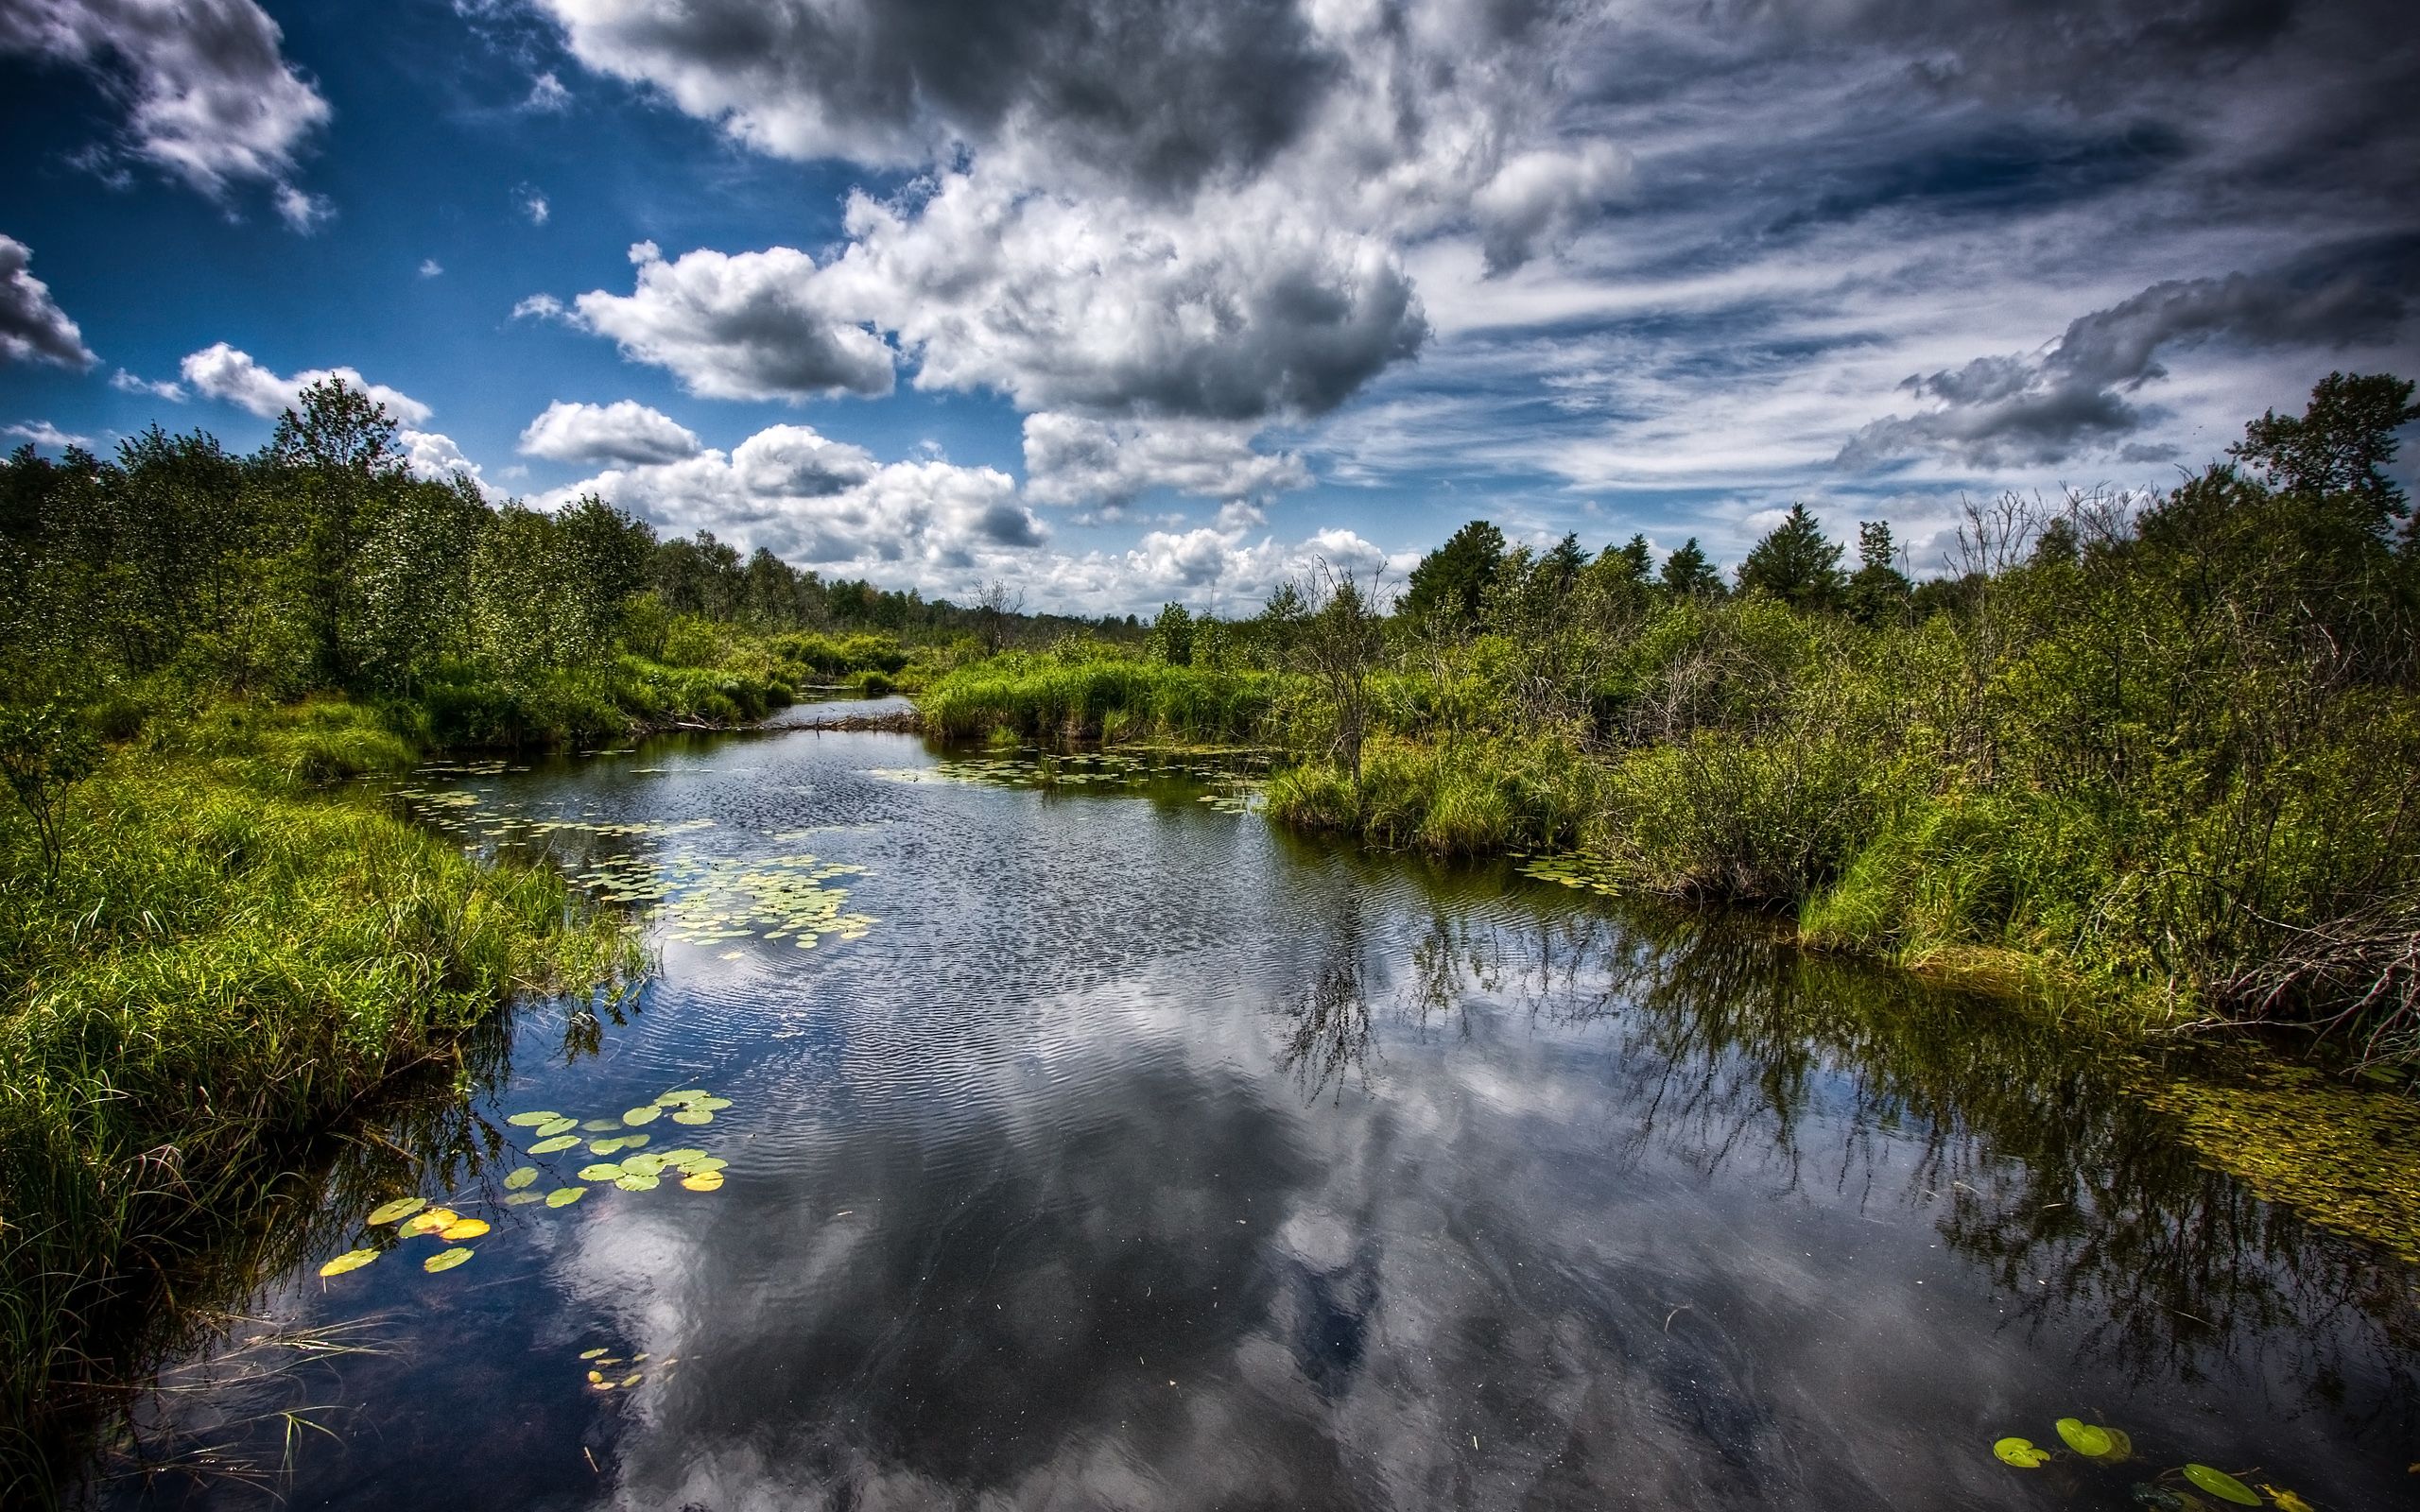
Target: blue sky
x=1162 y=298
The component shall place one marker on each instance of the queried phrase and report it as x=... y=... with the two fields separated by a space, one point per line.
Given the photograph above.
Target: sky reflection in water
x=1141 y=1156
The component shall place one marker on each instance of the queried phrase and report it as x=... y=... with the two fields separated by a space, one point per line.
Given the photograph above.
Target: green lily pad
x=601 y=1170
x=711 y=1105
x=591 y=1354
x=670 y=1098
x=648 y=1114
x=560 y=1141
x=399 y=1207
x=516 y=1181
x=445 y=1260
x=693 y=1115
x=349 y=1260
x=682 y=1155
x=557 y=1126
x=2222 y=1485
x=645 y=1165
x=632 y=1181
x=602 y=1125
x=603 y=1147
x=2021 y=1453
x=531 y=1120
x=523 y=1200
x=2087 y=1439
x=565 y=1197
x=704 y=1164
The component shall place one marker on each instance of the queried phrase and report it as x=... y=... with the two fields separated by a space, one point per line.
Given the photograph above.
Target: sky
x=1126 y=301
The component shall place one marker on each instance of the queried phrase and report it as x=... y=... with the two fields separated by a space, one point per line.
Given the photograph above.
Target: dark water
x=1140 y=1156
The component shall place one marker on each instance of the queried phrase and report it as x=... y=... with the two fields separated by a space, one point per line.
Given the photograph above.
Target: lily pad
x=704 y=1181
x=531 y=1120
x=2222 y=1485
x=428 y=1221
x=693 y=1115
x=349 y=1260
x=603 y=1147
x=632 y=1181
x=682 y=1155
x=523 y=1200
x=2021 y=1453
x=630 y=1380
x=560 y=1141
x=463 y=1229
x=602 y=1125
x=648 y=1114
x=565 y=1197
x=516 y=1181
x=712 y=1105
x=670 y=1098
x=399 y=1207
x=557 y=1126
x=601 y=1170
x=646 y=1165
x=2088 y=1439
x=444 y=1259
x=591 y=1354
x=705 y=1165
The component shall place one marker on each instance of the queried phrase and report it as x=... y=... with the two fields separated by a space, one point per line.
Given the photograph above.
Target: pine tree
x=1688 y=574
x=1878 y=591
x=1795 y=564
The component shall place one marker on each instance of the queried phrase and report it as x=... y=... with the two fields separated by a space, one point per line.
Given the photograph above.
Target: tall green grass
x=228 y=963
x=1045 y=698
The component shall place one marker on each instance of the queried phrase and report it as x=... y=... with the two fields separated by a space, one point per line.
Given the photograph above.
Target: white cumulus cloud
x=624 y=431
x=222 y=372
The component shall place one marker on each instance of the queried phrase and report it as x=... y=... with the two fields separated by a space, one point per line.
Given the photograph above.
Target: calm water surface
x=1137 y=1154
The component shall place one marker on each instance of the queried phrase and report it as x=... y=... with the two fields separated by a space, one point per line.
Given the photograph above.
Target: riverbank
x=232 y=957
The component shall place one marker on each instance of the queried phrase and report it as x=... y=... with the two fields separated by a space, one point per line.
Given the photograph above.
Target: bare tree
x=994 y=606
x=1338 y=644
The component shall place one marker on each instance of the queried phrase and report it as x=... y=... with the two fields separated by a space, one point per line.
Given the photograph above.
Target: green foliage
x=1053 y=698
x=45 y=748
x=1688 y=574
x=1171 y=640
x=1795 y=564
x=1450 y=584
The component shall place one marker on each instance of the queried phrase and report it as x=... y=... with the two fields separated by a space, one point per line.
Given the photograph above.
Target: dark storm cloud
x=1157 y=93
x=2071 y=398
x=32 y=326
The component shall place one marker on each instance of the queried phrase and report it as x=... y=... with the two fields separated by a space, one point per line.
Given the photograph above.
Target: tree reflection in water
x=2073 y=1200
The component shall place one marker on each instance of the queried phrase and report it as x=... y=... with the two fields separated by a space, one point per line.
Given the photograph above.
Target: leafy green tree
x=1795 y=564
x=1877 y=591
x=414 y=580
x=2338 y=448
x=1688 y=574
x=1171 y=639
x=1450 y=585
x=336 y=456
x=45 y=748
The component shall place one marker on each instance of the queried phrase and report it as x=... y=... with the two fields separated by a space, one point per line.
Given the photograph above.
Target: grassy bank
x=228 y=961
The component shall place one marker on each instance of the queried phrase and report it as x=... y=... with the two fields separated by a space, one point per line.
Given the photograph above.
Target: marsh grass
x=228 y=964
x=1041 y=698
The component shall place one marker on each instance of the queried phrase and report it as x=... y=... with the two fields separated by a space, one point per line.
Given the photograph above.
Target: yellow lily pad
x=399 y=1207
x=591 y=1354
x=531 y=1120
x=463 y=1229
x=428 y=1221
x=444 y=1259
x=705 y=1181
x=349 y=1260
x=521 y=1177
x=565 y=1197
x=2022 y=1452
x=648 y=1114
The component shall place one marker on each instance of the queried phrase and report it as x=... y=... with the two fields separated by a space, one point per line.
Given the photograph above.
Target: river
x=1094 y=1143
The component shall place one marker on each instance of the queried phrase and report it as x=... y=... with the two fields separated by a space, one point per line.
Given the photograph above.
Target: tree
x=44 y=749
x=1878 y=591
x=337 y=456
x=1688 y=574
x=1450 y=585
x=1171 y=639
x=1562 y=565
x=1636 y=558
x=1341 y=637
x=2338 y=448
x=994 y=606
x=1794 y=563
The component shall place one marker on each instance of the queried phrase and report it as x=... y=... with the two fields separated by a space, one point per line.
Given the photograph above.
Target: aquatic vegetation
x=2020 y=1452
x=445 y=1261
x=351 y=1260
x=2105 y=1446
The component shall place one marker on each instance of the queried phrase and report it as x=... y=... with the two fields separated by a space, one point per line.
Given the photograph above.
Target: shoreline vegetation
x=2153 y=757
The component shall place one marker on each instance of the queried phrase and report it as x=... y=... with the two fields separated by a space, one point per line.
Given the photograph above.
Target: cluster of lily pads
x=1232 y=791
x=2099 y=1445
x=556 y=1133
x=1570 y=870
x=599 y=1362
x=704 y=902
